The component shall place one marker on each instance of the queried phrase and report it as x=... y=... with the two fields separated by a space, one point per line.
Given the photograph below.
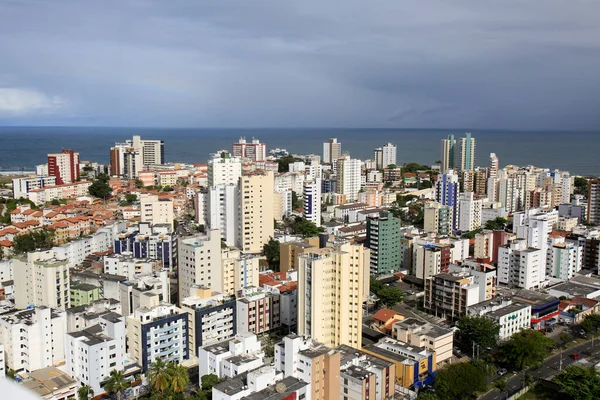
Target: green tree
x=414 y=167
x=565 y=337
x=39 y=239
x=271 y=250
x=208 y=381
x=526 y=348
x=390 y=296
x=459 y=381
x=296 y=202
x=579 y=383
x=130 y=198
x=116 y=383
x=139 y=184
x=55 y=202
x=85 y=392
x=591 y=323
x=159 y=376
x=471 y=234
x=100 y=188
x=501 y=385
x=581 y=185
x=179 y=377
x=305 y=228
x=497 y=224
x=284 y=163
x=479 y=330
x=526 y=379
x=403 y=200
x=427 y=396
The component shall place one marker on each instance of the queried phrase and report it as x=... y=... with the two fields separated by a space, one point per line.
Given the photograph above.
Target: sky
x=493 y=64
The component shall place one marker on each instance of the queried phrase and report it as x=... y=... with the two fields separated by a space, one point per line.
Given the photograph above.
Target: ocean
x=21 y=148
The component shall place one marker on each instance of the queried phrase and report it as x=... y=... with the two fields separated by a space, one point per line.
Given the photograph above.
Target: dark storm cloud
x=385 y=63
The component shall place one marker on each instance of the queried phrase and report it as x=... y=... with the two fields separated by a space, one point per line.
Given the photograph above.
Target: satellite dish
x=280 y=388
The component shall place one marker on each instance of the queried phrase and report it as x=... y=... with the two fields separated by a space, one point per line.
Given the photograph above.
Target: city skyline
x=417 y=65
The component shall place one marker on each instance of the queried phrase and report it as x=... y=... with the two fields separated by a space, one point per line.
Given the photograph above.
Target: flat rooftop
x=509 y=309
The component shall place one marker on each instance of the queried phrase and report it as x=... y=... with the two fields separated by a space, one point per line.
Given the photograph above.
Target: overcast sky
x=312 y=63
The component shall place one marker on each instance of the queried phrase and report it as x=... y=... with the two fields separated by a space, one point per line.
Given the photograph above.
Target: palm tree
x=501 y=385
x=116 y=383
x=85 y=392
x=526 y=380
x=179 y=377
x=159 y=376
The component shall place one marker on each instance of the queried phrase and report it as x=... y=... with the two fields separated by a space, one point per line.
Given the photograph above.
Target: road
x=548 y=370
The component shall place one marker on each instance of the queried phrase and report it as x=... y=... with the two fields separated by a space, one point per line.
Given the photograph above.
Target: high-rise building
x=311 y=201
x=130 y=157
x=332 y=150
x=466 y=158
x=493 y=166
x=385 y=156
x=41 y=280
x=564 y=259
x=22 y=186
x=437 y=218
x=593 y=205
x=152 y=151
x=520 y=265
x=449 y=294
x=332 y=283
x=446 y=193
x=448 y=154
x=469 y=212
x=220 y=205
x=64 y=166
x=155 y=210
x=348 y=177
x=239 y=270
x=256 y=211
x=223 y=169
x=383 y=239
x=200 y=262
x=254 y=151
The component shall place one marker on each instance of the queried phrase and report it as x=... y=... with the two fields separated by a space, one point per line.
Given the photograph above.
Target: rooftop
x=423 y=327
x=574 y=289
x=533 y=297
x=281 y=390
x=509 y=309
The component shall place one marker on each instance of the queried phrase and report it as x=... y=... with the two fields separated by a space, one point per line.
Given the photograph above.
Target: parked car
x=575 y=356
x=582 y=332
x=502 y=371
x=456 y=350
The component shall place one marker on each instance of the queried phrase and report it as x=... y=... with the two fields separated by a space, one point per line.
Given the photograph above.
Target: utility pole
x=560 y=363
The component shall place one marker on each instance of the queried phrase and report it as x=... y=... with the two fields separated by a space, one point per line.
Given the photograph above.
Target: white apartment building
x=127 y=265
x=520 y=265
x=231 y=357
x=564 y=260
x=535 y=227
x=256 y=211
x=158 y=332
x=239 y=270
x=449 y=295
x=466 y=153
x=93 y=352
x=84 y=316
x=332 y=150
x=469 y=212
x=200 y=262
x=34 y=338
x=66 y=191
x=244 y=385
x=22 y=186
x=223 y=169
x=311 y=198
x=348 y=177
x=211 y=317
x=416 y=332
x=152 y=151
x=156 y=210
x=385 y=156
x=282 y=204
x=41 y=280
x=332 y=283
x=484 y=277
x=144 y=291
x=221 y=210
x=293 y=181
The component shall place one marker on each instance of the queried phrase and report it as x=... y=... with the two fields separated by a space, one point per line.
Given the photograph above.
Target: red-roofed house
x=384 y=319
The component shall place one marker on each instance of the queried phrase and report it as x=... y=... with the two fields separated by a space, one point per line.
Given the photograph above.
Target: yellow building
x=290 y=253
x=256 y=211
x=332 y=283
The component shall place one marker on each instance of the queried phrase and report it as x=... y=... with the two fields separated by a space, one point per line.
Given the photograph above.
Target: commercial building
x=311 y=362
x=415 y=366
x=94 y=351
x=41 y=280
x=416 y=332
x=159 y=332
x=544 y=308
x=256 y=211
x=231 y=357
x=33 y=338
x=332 y=283
x=64 y=166
x=253 y=151
x=383 y=239
x=156 y=210
x=199 y=262
x=511 y=318
x=22 y=186
x=332 y=150
x=348 y=177
x=212 y=317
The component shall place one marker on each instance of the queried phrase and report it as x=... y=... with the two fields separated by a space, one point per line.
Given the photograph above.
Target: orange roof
x=5 y=243
x=51 y=214
x=16 y=211
x=384 y=315
x=28 y=212
x=26 y=224
x=556 y=233
x=564 y=304
x=38 y=214
x=586 y=302
x=288 y=286
x=8 y=231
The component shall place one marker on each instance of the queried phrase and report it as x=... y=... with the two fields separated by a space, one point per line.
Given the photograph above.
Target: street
x=549 y=369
